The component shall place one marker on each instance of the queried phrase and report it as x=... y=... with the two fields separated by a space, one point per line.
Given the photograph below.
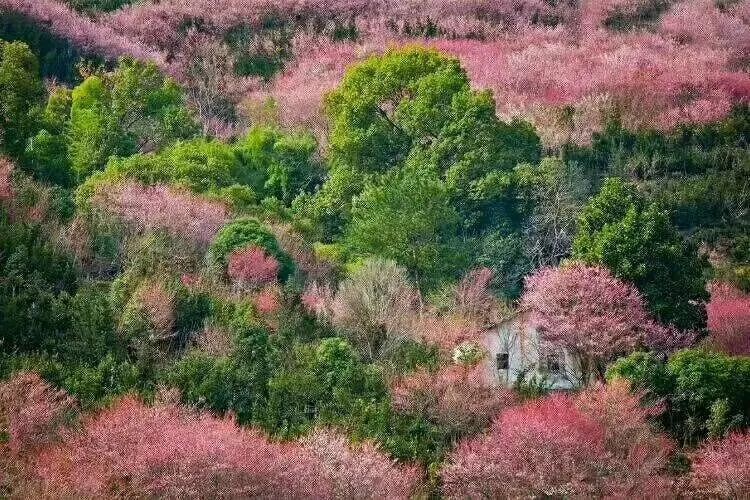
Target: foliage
x=21 y=91
x=134 y=109
x=36 y=281
x=324 y=384
x=235 y=382
x=637 y=242
x=245 y=232
x=704 y=391
x=561 y=445
x=408 y=218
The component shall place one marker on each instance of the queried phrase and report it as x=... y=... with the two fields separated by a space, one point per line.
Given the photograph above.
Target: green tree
x=36 y=280
x=706 y=393
x=325 y=383
x=21 y=95
x=407 y=217
x=244 y=232
x=235 y=382
x=286 y=163
x=133 y=109
x=415 y=106
x=637 y=241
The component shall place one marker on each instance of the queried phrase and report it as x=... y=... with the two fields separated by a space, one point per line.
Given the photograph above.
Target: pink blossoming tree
x=590 y=313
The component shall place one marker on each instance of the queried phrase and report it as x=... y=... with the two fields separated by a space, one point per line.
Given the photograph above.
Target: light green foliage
x=407 y=217
x=286 y=164
x=246 y=232
x=415 y=106
x=134 y=109
x=21 y=93
x=706 y=393
x=637 y=241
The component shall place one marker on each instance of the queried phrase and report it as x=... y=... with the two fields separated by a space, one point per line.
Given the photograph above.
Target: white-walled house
x=515 y=348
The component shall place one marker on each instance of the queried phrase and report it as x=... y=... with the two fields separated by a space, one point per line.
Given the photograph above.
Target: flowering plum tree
x=164 y=450
x=457 y=398
x=361 y=471
x=150 y=208
x=590 y=313
x=721 y=469
x=251 y=267
x=561 y=446
x=32 y=413
x=729 y=320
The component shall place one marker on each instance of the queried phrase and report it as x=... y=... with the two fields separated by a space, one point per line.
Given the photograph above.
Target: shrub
x=563 y=446
x=251 y=267
x=721 y=469
x=245 y=232
x=729 y=321
x=133 y=450
x=32 y=413
x=455 y=399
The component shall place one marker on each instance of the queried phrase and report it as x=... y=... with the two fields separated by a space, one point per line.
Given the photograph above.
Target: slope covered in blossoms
x=565 y=66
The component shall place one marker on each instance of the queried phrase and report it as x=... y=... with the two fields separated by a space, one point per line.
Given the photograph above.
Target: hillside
x=374 y=249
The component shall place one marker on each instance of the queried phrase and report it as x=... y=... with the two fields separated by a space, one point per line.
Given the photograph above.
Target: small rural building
x=515 y=349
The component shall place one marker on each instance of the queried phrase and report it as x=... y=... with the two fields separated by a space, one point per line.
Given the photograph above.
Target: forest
x=255 y=249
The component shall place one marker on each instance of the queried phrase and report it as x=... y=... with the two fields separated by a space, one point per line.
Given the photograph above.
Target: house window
x=502 y=359
x=552 y=362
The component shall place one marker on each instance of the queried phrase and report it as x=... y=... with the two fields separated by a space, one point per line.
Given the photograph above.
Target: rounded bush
x=245 y=232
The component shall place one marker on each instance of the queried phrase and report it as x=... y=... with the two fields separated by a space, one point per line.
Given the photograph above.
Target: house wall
x=522 y=343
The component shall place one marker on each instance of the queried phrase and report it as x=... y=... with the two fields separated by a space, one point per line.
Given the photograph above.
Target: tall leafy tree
x=133 y=109
x=408 y=217
x=638 y=242
x=21 y=93
x=415 y=106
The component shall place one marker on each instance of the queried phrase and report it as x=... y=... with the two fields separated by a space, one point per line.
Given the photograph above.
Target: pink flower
x=34 y=412
x=729 y=321
x=168 y=451
x=179 y=212
x=721 y=469
x=563 y=446
x=252 y=267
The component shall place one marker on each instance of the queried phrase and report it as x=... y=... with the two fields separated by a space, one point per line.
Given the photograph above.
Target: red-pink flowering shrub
x=251 y=267
x=148 y=208
x=32 y=413
x=455 y=397
x=86 y=34
x=361 y=471
x=729 y=320
x=158 y=305
x=131 y=450
x=629 y=435
x=721 y=469
x=317 y=299
x=446 y=332
x=560 y=446
x=268 y=300
x=593 y=315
